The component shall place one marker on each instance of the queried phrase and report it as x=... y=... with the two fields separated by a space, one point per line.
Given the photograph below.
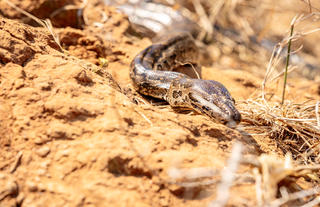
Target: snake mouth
x=231 y=124
x=231 y=117
x=223 y=111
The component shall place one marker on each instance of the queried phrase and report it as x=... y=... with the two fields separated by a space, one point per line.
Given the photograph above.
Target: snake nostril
x=166 y=64
x=173 y=57
x=236 y=117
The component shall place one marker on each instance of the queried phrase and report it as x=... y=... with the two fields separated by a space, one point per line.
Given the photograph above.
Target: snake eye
x=205 y=108
x=165 y=64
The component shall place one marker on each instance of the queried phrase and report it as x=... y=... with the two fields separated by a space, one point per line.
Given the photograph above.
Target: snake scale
x=152 y=69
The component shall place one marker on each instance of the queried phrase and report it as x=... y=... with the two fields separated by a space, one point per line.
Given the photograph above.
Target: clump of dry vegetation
x=295 y=126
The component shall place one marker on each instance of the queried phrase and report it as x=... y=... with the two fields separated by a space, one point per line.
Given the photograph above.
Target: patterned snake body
x=152 y=74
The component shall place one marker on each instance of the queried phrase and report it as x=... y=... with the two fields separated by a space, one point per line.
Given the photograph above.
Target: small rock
x=39 y=141
x=43 y=151
x=83 y=78
x=32 y=187
x=45 y=86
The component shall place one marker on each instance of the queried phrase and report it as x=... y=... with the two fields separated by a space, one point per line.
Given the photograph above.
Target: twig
x=312 y=203
x=204 y=19
x=274 y=60
x=228 y=175
x=144 y=116
x=294 y=196
x=310 y=7
x=258 y=180
x=16 y=162
x=192 y=67
x=193 y=173
x=195 y=71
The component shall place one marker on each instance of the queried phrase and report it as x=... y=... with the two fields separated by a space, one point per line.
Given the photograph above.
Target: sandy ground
x=73 y=135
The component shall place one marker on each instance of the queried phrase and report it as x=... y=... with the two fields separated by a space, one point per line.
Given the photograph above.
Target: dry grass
x=295 y=127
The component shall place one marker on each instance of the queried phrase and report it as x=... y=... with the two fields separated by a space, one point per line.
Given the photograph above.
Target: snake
x=152 y=70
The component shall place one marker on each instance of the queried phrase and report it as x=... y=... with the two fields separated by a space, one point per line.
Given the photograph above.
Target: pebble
x=43 y=151
x=39 y=141
x=32 y=187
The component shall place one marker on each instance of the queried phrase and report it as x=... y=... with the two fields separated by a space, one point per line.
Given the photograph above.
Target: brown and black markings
x=152 y=73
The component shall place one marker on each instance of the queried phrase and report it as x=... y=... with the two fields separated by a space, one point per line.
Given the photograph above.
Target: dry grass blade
x=317 y=114
x=287 y=64
x=294 y=196
x=204 y=19
x=312 y=203
x=45 y=23
x=258 y=179
x=215 y=10
x=228 y=175
x=194 y=177
x=189 y=174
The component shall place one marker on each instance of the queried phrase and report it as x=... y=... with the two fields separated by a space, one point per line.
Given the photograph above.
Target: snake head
x=214 y=100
